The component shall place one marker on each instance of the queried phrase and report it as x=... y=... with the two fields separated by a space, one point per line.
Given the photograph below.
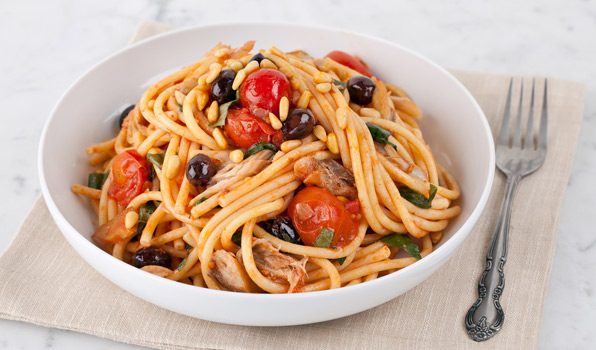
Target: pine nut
x=251 y=67
x=343 y=199
x=321 y=77
x=214 y=70
x=202 y=99
x=284 y=107
x=266 y=63
x=202 y=83
x=320 y=133
x=369 y=112
x=332 y=143
x=220 y=139
x=341 y=115
x=172 y=167
x=287 y=146
x=304 y=99
x=131 y=219
x=179 y=97
x=240 y=76
x=275 y=122
x=235 y=65
x=213 y=112
x=237 y=155
x=324 y=88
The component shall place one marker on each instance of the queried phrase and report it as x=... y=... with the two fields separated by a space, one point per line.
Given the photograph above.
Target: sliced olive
x=221 y=88
x=199 y=170
x=282 y=228
x=151 y=256
x=258 y=57
x=300 y=123
x=361 y=89
x=124 y=114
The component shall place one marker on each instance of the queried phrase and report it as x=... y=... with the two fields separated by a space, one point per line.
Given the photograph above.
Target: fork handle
x=485 y=318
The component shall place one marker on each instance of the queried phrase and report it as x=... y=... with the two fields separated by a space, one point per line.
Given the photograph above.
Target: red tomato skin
x=245 y=129
x=349 y=61
x=314 y=208
x=262 y=90
x=113 y=231
x=353 y=207
x=128 y=177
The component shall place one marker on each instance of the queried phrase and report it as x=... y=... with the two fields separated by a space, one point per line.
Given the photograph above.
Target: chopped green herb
x=325 y=238
x=237 y=238
x=181 y=265
x=179 y=107
x=188 y=247
x=96 y=180
x=201 y=200
x=146 y=210
x=341 y=260
x=157 y=158
x=140 y=227
x=403 y=242
x=418 y=199
x=379 y=134
x=258 y=147
x=342 y=85
x=223 y=111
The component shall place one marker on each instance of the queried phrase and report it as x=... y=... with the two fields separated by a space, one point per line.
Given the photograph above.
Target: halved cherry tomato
x=245 y=129
x=353 y=207
x=262 y=90
x=314 y=208
x=129 y=176
x=349 y=61
x=114 y=230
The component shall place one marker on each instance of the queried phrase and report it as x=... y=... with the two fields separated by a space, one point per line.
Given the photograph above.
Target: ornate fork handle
x=485 y=317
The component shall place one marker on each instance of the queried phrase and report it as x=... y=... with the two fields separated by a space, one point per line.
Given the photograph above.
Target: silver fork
x=485 y=318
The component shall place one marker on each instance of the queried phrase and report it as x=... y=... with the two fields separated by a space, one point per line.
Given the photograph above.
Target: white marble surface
x=46 y=45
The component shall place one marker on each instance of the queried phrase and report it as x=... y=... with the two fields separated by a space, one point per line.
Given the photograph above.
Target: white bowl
x=454 y=126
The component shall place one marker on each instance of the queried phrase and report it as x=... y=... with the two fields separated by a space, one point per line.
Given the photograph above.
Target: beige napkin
x=51 y=285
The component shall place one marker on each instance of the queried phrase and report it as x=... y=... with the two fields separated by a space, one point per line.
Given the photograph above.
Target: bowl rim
x=448 y=247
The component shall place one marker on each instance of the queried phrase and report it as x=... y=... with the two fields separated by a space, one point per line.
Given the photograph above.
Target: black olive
x=199 y=170
x=282 y=228
x=124 y=114
x=151 y=256
x=361 y=89
x=221 y=88
x=258 y=57
x=299 y=124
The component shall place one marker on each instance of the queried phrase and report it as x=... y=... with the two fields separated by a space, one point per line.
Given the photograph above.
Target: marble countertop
x=46 y=45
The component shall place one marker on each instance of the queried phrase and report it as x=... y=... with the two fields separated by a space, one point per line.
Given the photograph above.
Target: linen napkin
x=50 y=285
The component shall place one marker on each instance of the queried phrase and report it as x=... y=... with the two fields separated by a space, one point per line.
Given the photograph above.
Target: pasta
x=270 y=173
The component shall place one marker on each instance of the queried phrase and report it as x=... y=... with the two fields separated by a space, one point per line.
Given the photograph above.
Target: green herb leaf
x=201 y=200
x=341 y=84
x=237 y=238
x=146 y=210
x=157 y=158
x=179 y=108
x=403 y=242
x=188 y=247
x=223 y=111
x=379 y=134
x=258 y=147
x=416 y=198
x=181 y=265
x=341 y=260
x=96 y=180
x=325 y=238
x=140 y=227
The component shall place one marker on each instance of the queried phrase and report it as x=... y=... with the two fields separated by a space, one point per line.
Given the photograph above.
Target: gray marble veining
x=46 y=45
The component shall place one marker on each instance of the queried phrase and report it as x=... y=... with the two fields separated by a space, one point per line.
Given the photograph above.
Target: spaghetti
x=275 y=172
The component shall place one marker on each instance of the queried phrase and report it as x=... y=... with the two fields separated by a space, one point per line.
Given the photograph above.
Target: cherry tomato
x=314 y=208
x=349 y=61
x=114 y=230
x=353 y=207
x=245 y=129
x=262 y=90
x=129 y=176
